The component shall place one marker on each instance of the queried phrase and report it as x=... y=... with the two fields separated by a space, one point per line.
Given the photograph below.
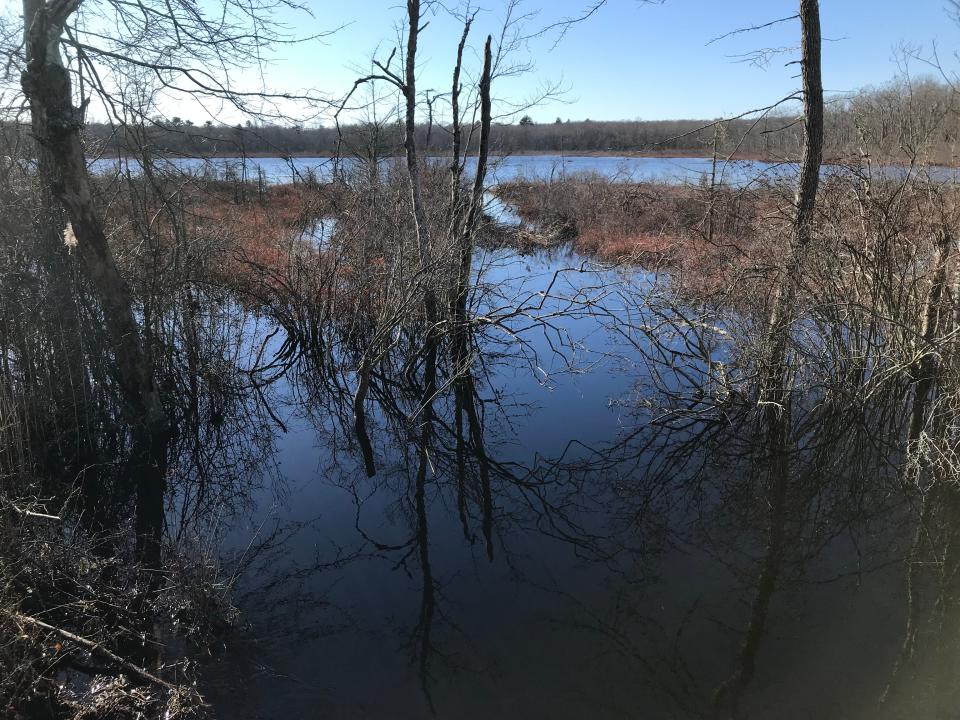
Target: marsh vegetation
x=417 y=432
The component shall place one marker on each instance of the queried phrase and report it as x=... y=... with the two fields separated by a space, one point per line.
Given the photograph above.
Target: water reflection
x=561 y=508
x=567 y=510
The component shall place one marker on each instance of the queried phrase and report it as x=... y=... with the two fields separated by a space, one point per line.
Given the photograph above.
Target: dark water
x=591 y=542
x=344 y=639
x=612 y=578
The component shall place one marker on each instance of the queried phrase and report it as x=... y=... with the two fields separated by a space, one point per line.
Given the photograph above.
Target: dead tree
x=409 y=90
x=182 y=50
x=775 y=400
x=456 y=167
x=465 y=389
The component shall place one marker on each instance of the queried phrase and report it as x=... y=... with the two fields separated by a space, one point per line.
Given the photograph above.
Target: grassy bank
x=715 y=239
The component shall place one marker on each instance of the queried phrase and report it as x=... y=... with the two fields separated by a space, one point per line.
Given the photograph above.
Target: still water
x=502 y=169
x=608 y=581
x=587 y=539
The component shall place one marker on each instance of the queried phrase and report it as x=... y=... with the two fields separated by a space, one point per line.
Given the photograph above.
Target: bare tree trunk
x=465 y=390
x=56 y=126
x=456 y=167
x=483 y=152
x=466 y=234
x=775 y=390
x=413 y=161
x=430 y=345
x=923 y=371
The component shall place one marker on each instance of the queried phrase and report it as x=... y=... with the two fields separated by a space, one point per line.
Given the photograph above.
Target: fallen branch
x=92 y=646
x=32 y=514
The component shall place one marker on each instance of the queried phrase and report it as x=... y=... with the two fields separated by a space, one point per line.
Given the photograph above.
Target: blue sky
x=635 y=60
x=630 y=60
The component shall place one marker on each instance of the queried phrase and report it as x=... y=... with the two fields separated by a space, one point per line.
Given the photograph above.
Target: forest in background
x=900 y=109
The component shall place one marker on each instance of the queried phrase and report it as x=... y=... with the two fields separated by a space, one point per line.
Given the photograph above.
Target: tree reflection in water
x=562 y=503
x=527 y=561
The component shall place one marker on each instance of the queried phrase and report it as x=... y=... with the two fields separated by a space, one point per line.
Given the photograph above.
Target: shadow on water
x=561 y=508
x=567 y=511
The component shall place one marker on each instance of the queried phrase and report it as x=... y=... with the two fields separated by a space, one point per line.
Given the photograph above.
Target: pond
x=276 y=169
x=574 y=517
x=558 y=555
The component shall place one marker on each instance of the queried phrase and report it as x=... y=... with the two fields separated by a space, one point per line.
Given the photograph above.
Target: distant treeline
x=899 y=119
x=773 y=136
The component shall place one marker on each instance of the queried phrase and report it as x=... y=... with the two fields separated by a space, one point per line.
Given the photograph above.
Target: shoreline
x=665 y=155
x=677 y=154
x=692 y=154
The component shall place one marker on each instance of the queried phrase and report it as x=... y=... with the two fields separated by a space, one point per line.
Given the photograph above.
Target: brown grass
x=651 y=224
x=669 y=227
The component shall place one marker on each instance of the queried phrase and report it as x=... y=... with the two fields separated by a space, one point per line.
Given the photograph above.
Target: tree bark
x=413 y=161
x=464 y=384
x=56 y=127
x=775 y=384
x=456 y=167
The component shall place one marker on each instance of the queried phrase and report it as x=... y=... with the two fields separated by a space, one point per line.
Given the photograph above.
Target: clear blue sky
x=630 y=60
x=635 y=60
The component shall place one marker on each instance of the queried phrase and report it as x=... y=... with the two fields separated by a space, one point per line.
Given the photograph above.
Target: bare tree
x=775 y=390
x=56 y=124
